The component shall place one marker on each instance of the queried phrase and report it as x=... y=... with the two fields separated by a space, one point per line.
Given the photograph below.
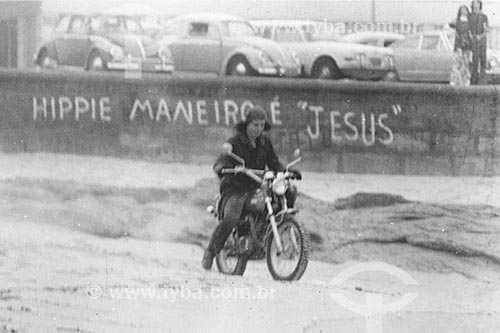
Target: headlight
x=117 y=52
x=280 y=186
x=269 y=175
x=361 y=57
x=389 y=60
x=266 y=59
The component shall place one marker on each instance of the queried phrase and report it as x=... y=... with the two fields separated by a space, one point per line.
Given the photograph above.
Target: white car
x=374 y=38
x=325 y=58
x=226 y=45
x=428 y=57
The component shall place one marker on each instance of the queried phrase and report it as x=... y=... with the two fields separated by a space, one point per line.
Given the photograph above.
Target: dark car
x=103 y=42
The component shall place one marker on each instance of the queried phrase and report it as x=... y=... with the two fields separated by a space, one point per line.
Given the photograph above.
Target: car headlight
x=389 y=60
x=361 y=58
x=280 y=185
x=117 y=52
x=266 y=59
x=164 y=54
x=269 y=175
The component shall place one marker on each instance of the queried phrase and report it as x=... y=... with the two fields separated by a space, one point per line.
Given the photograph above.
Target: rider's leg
x=475 y=61
x=230 y=218
x=482 y=60
x=291 y=196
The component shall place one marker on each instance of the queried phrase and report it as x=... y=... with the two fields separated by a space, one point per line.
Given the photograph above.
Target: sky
x=421 y=11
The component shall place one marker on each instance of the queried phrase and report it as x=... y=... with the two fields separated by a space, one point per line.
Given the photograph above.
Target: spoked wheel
x=239 y=66
x=391 y=77
x=96 y=62
x=290 y=264
x=46 y=62
x=228 y=261
x=326 y=69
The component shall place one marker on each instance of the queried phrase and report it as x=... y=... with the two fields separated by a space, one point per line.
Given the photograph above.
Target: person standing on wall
x=460 y=73
x=478 y=23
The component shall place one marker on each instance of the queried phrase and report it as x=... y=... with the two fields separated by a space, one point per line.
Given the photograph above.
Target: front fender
x=51 y=52
x=248 y=52
x=338 y=56
x=103 y=45
x=308 y=57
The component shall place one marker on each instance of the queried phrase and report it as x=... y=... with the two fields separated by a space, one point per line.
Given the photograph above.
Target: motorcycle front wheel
x=291 y=263
x=229 y=261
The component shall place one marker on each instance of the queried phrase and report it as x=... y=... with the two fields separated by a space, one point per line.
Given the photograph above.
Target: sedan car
x=323 y=57
x=103 y=42
x=428 y=57
x=226 y=45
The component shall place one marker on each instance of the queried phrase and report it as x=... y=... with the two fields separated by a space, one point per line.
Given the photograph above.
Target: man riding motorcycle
x=255 y=147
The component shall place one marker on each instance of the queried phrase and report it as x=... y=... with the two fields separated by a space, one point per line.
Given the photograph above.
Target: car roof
x=212 y=17
x=430 y=33
x=132 y=9
x=377 y=34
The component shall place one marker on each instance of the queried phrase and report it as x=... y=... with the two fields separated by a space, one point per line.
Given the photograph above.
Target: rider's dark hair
x=477 y=1
x=253 y=113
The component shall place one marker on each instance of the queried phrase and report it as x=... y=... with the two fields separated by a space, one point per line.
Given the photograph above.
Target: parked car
x=374 y=38
x=324 y=55
x=226 y=45
x=151 y=19
x=103 y=42
x=428 y=57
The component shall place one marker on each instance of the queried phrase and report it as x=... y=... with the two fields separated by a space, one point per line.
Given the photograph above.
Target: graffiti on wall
x=351 y=126
x=77 y=108
x=201 y=112
x=367 y=128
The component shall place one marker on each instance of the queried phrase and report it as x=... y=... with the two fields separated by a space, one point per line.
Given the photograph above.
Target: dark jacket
x=260 y=157
x=477 y=23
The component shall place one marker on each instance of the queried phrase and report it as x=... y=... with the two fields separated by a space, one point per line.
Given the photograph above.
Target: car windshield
x=237 y=29
x=115 y=24
x=324 y=36
x=304 y=33
x=289 y=34
x=410 y=42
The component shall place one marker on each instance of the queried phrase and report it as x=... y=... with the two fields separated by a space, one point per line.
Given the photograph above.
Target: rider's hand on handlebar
x=296 y=174
x=238 y=169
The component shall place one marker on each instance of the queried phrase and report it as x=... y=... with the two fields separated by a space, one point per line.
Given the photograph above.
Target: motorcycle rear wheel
x=228 y=261
x=290 y=264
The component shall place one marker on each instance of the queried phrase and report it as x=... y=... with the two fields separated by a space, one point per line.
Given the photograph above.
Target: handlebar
x=249 y=172
x=252 y=173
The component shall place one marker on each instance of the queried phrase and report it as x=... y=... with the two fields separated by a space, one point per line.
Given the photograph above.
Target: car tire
x=391 y=76
x=45 y=61
x=326 y=69
x=96 y=62
x=239 y=66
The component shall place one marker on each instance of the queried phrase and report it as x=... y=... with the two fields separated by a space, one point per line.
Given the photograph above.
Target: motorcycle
x=267 y=227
